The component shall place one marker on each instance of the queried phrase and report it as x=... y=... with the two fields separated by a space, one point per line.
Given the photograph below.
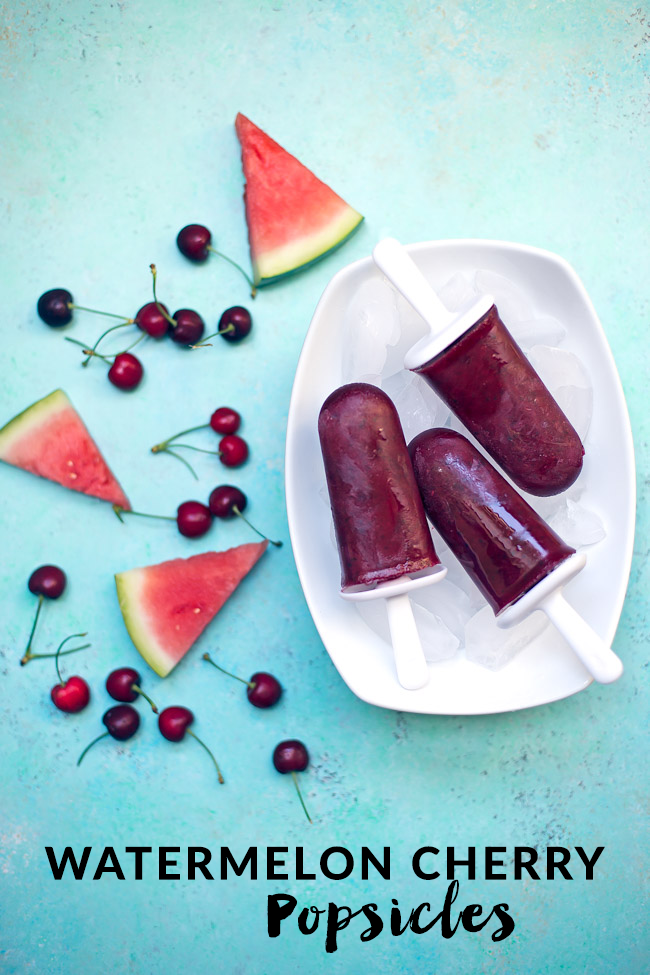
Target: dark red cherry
x=71 y=696
x=48 y=581
x=290 y=756
x=225 y=420
x=122 y=721
x=173 y=722
x=193 y=519
x=124 y=683
x=54 y=307
x=233 y=450
x=126 y=371
x=224 y=499
x=189 y=327
x=235 y=324
x=193 y=242
x=263 y=690
x=152 y=321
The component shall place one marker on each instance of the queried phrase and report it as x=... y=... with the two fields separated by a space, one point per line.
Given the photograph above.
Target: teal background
x=524 y=122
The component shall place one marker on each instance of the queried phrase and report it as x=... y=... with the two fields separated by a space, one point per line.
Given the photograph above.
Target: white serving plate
x=546 y=670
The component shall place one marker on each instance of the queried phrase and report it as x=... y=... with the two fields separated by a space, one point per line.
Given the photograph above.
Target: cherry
x=73 y=694
x=126 y=371
x=193 y=519
x=153 y=318
x=233 y=450
x=262 y=690
x=46 y=582
x=227 y=501
x=123 y=684
x=188 y=328
x=55 y=307
x=225 y=420
x=292 y=756
x=174 y=722
x=235 y=324
x=122 y=722
x=193 y=242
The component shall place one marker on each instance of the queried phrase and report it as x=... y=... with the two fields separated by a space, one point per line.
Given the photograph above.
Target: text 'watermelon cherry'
x=71 y=695
x=292 y=756
x=195 y=243
x=233 y=449
x=193 y=519
x=174 y=722
x=227 y=501
x=122 y=722
x=262 y=690
x=46 y=582
x=123 y=685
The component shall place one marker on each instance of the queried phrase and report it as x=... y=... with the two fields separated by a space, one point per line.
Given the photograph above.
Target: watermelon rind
x=31 y=418
x=285 y=261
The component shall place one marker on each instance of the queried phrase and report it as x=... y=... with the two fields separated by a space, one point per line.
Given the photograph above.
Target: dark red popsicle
x=504 y=546
x=487 y=381
x=381 y=529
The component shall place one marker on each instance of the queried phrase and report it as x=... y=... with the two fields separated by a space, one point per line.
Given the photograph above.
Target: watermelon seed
x=263 y=690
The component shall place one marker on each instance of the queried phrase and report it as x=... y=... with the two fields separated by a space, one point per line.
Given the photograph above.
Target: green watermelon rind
x=128 y=587
x=356 y=219
x=31 y=417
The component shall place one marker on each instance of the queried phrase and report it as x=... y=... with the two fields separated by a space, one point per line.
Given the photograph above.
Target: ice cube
x=538 y=331
x=438 y=642
x=371 y=324
x=490 y=646
x=448 y=602
x=419 y=408
x=457 y=291
x=577 y=525
x=578 y=406
x=569 y=383
x=512 y=303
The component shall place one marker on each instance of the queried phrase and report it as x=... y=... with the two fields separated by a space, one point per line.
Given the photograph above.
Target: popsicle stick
x=599 y=659
x=393 y=260
x=410 y=662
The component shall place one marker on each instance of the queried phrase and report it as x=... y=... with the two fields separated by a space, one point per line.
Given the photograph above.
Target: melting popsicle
x=474 y=364
x=384 y=542
x=516 y=560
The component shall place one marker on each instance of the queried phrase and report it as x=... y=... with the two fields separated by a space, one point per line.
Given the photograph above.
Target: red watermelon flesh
x=166 y=607
x=50 y=439
x=293 y=217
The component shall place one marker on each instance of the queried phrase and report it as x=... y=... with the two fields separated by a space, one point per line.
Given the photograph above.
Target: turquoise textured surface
x=506 y=121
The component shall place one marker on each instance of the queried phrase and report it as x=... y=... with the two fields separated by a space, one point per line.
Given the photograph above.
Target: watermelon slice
x=50 y=439
x=293 y=218
x=167 y=606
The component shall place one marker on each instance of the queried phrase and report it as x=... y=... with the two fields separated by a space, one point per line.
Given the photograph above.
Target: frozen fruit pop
x=474 y=364
x=381 y=528
x=507 y=549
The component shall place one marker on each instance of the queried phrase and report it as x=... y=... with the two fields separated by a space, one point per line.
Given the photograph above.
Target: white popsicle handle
x=410 y=662
x=394 y=261
x=599 y=659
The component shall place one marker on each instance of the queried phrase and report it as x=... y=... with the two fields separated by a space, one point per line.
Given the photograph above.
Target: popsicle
x=477 y=368
x=384 y=541
x=516 y=560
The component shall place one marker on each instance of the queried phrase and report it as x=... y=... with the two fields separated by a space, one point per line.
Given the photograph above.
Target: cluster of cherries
x=124 y=685
x=185 y=327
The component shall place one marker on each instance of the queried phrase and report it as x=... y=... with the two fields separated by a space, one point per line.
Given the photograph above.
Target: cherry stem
x=203 y=745
x=133 y=344
x=88 y=747
x=138 y=690
x=163 y=444
x=87 y=351
x=235 y=264
x=222 y=331
x=107 y=314
x=42 y=656
x=206 y=656
x=244 y=518
x=154 y=274
x=201 y=450
x=74 y=636
x=183 y=461
x=31 y=635
x=141 y=514
x=302 y=801
x=129 y=321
